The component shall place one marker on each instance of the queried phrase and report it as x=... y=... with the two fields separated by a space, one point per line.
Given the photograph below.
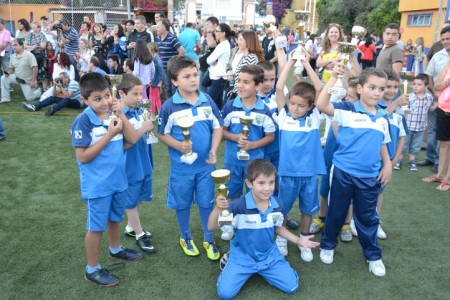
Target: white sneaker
x=327 y=256
x=353 y=228
x=377 y=268
x=381 y=234
x=282 y=245
x=306 y=254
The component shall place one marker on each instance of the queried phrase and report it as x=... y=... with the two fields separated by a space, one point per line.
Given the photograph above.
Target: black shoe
x=20 y=80
x=424 y=163
x=435 y=168
x=49 y=111
x=126 y=254
x=2 y=138
x=133 y=234
x=101 y=277
x=145 y=244
x=291 y=224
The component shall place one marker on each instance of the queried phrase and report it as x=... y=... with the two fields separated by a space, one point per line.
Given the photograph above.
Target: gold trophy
x=406 y=76
x=357 y=33
x=246 y=121
x=221 y=177
x=345 y=49
x=185 y=124
x=269 y=22
x=114 y=80
x=146 y=104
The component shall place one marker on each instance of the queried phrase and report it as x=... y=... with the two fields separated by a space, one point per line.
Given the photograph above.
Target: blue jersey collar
x=177 y=99
x=237 y=102
x=92 y=115
x=132 y=111
x=380 y=112
x=251 y=204
x=267 y=97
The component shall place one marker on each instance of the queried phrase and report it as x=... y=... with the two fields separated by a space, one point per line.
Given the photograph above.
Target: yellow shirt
x=328 y=70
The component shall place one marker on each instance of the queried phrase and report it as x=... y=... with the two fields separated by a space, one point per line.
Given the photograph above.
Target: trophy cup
x=246 y=121
x=145 y=104
x=220 y=177
x=269 y=23
x=186 y=123
x=406 y=76
x=357 y=34
x=114 y=80
x=345 y=49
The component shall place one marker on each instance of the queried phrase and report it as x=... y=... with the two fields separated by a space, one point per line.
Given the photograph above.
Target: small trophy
x=221 y=177
x=114 y=80
x=357 y=33
x=345 y=49
x=269 y=22
x=186 y=123
x=145 y=104
x=246 y=121
x=406 y=76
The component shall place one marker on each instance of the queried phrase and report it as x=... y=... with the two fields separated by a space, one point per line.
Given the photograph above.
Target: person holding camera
x=65 y=93
x=68 y=40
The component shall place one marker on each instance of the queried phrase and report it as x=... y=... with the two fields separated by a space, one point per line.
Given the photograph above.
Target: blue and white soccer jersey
x=253 y=249
x=302 y=161
x=272 y=151
x=138 y=165
x=103 y=179
x=185 y=179
x=396 y=130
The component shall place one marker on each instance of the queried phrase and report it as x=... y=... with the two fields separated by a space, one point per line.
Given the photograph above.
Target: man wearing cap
x=5 y=49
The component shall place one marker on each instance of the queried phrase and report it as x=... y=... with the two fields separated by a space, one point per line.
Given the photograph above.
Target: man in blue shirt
x=190 y=40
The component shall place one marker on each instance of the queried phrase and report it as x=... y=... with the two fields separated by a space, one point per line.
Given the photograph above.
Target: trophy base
x=243 y=155
x=189 y=158
x=337 y=91
x=152 y=140
x=404 y=110
x=225 y=220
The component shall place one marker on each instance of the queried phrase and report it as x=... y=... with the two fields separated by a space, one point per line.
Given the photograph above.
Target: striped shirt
x=74 y=44
x=417 y=119
x=168 y=48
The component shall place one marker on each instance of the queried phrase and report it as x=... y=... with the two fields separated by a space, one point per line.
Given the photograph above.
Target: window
x=419 y=19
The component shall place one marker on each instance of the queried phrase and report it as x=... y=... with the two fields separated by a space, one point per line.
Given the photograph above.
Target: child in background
x=253 y=250
x=144 y=68
x=191 y=183
x=128 y=66
x=357 y=182
x=299 y=125
x=155 y=88
x=48 y=65
x=98 y=143
x=139 y=168
x=421 y=101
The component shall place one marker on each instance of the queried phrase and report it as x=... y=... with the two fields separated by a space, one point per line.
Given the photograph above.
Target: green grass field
x=42 y=228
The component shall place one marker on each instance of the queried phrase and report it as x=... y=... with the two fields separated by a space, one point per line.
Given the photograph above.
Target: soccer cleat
x=211 y=250
x=346 y=234
x=189 y=247
x=126 y=254
x=327 y=256
x=306 y=254
x=133 y=234
x=224 y=260
x=101 y=277
x=381 y=234
x=412 y=165
x=282 y=245
x=291 y=224
x=353 y=228
x=377 y=268
x=316 y=226
x=398 y=165
x=145 y=244
x=29 y=107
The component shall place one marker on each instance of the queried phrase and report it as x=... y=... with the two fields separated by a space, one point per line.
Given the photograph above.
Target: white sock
x=129 y=228
x=139 y=235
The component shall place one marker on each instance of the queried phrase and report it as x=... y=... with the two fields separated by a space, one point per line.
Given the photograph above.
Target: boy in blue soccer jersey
x=257 y=216
x=191 y=183
x=299 y=125
x=360 y=165
x=99 y=148
x=261 y=130
x=139 y=167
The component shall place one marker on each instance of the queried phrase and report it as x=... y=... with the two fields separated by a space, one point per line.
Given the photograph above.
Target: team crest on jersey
x=207 y=112
x=259 y=119
x=78 y=134
x=399 y=119
x=385 y=127
x=308 y=122
x=277 y=219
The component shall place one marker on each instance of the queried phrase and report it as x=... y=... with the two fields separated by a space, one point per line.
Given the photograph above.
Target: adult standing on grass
x=391 y=56
x=328 y=57
x=190 y=40
x=22 y=69
x=139 y=33
x=68 y=40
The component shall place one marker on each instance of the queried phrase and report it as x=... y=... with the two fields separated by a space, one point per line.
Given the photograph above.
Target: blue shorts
x=138 y=191
x=101 y=210
x=236 y=182
x=278 y=274
x=184 y=190
x=274 y=158
x=305 y=188
x=413 y=142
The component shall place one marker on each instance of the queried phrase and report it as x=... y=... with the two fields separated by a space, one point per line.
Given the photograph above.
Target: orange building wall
x=19 y=11
x=411 y=5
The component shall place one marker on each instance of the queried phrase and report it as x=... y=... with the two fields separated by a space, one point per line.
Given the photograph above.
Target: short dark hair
x=445 y=30
x=114 y=58
x=130 y=22
x=65 y=22
x=366 y=73
x=128 y=82
x=95 y=61
x=141 y=18
x=178 y=63
x=423 y=77
x=260 y=167
x=392 y=76
x=166 y=23
x=213 y=20
x=189 y=25
x=225 y=28
x=353 y=83
x=92 y=82
x=161 y=14
x=305 y=90
x=392 y=26
x=266 y=65
x=129 y=63
x=256 y=71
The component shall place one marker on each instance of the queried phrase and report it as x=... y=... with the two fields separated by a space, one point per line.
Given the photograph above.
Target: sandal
x=444 y=186
x=432 y=178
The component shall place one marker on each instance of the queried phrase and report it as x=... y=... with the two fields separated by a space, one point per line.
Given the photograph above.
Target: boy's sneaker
x=224 y=260
x=291 y=224
x=346 y=234
x=412 y=166
x=327 y=256
x=145 y=244
x=211 y=250
x=189 y=247
x=398 y=165
x=29 y=107
x=133 y=234
x=126 y=254
x=353 y=228
x=316 y=226
x=282 y=245
x=377 y=268
x=101 y=277
x=306 y=254
x=381 y=234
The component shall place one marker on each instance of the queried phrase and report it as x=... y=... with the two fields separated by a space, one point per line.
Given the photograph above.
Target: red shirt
x=367 y=52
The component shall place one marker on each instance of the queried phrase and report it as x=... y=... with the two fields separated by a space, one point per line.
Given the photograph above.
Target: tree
x=384 y=12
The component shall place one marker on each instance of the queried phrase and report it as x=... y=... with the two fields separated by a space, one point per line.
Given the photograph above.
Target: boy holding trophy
x=190 y=125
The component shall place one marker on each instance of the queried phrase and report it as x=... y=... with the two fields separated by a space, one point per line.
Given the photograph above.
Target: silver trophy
x=246 y=121
x=406 y=76
x=145 y=104
x=345 y=49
